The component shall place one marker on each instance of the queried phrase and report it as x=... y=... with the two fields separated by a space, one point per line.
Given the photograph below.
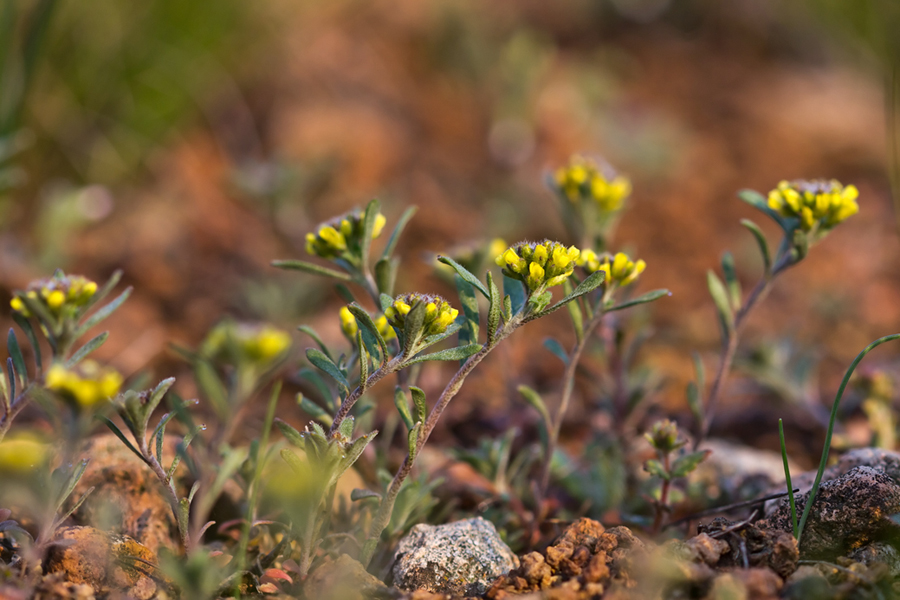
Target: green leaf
x=346 y=427
x=118 y=433
x=85 y=350
x=321 y=387
x=15 y=354
x=322 y=362
x=759 y=202
x=299 y=265
x=315 y=337
x=556 y=348
x=362 y=494
x=515 y=291
x=23 y=323
x=345 y=293
x=656 y=469
x=535 y=401
x=468 y=300
x=466 y=275
x=386 y=274
x=371 y=213
x=298 y=466
x=366 y=322
x=731 y=280
x=402 y=405
x=314 y=410
x=160 y=433
x=363 y=360
x=412 y=327
x=71 y=482
x=418 y=397
x=761 y=242
x=352 y=454
x=687 y=463
x=385 y=301
x=294 y=437
x=591 y=283
x=212 y=387
x=723 y=306
x=103 y=313
x=496 y=303
x=157 y=394
x=643 y=299
x=104 y=291
x=574 y=312
x=412 y=440
x=693 y=400
x=787 y=478
x=398 y=229
x=458 y=353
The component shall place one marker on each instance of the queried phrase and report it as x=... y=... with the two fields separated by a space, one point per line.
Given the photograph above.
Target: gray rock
x=883 y=461
x=848 y=511
x=461 y=558
x=878 y=552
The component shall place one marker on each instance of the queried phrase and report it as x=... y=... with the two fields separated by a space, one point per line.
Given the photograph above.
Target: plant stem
x=390 y=367
x=662 y=505
x=15 y=407
x=731 y=342
x=171 y=494
x=568 y=386
x=383 y=516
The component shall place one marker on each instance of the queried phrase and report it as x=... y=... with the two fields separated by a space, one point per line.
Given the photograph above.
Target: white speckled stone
x=462 y=558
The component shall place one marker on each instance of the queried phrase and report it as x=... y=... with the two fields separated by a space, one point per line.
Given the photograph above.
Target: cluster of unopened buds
x=818 y=204
x=439 y=315
x=583 y=179
x=619 y=269
x=85 y=385
x=56 y=294
x=350 y=327
x=341 y=237
x=539 y=265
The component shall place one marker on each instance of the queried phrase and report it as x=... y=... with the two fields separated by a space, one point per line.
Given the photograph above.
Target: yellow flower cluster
x=619 y=269
x=581 y=179
x=539 y=264
x=341 y=235
x=56 y=294
x=242 y=343
x=349 y=325
x=86 y=385
x=438 y=313
x=22 y=453
x=816 y=203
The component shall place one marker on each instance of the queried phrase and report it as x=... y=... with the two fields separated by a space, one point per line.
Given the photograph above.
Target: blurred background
x=190 y=144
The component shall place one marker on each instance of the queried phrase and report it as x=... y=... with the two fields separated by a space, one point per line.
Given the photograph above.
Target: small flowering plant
x=592 y=196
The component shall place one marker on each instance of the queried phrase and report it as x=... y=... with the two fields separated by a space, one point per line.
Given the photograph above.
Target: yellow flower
x=348 y=323
x=267 y=344
x=86 y=385
x=59 y=294
x=242 y=344
x=539 y=265
x=341 y=236
x=582 y=179
x=384 y=328
x=619 y=269
x=817 y=204
x=22 y=453
x=438 y=313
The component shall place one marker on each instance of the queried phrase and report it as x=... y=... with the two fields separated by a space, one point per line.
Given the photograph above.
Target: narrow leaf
x=211 y=386
x=316 y=338
x=369 y=217
x=104 y=291
x=15 y=354
x=535 y=401
x=363 y=359
x=321 y=361
x=685 y=465
x=85 y=350
x=643 y=299
x=466 y=291
x=412 y=327
x=787 y=477
x=299 y=265
x=361 y=494
x=759 y=202
x=321 y=387
x=720 y=298
x=656 y=469
x=398 y=230
x=345 y=293
x=574 y=312
x=515 y=291
x=731 y=280
x=103 y=312
x=418 y=397
x=11 y=379
x=457 y=353
x=157 y=394
x=386 y=274
x=291 y=435
x=385 y=301
x=591 y=283
x=314 y=410
x=496 y=305
x=761 y=242
x=556 y=348
x=402 y=405
x=412 y=440
x=118 y=433
x=23 y=323
x=366 y=322
x=466 y=274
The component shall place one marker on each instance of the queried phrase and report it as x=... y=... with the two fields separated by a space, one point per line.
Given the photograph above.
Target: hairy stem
x=391 y=366
x=662 y=506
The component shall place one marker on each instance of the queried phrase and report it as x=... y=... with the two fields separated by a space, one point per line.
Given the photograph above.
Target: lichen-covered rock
x=754 y=544
x=878 y=553
x=461 y=558
x=84 y=555
x=342 y=579
x=848 y=512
